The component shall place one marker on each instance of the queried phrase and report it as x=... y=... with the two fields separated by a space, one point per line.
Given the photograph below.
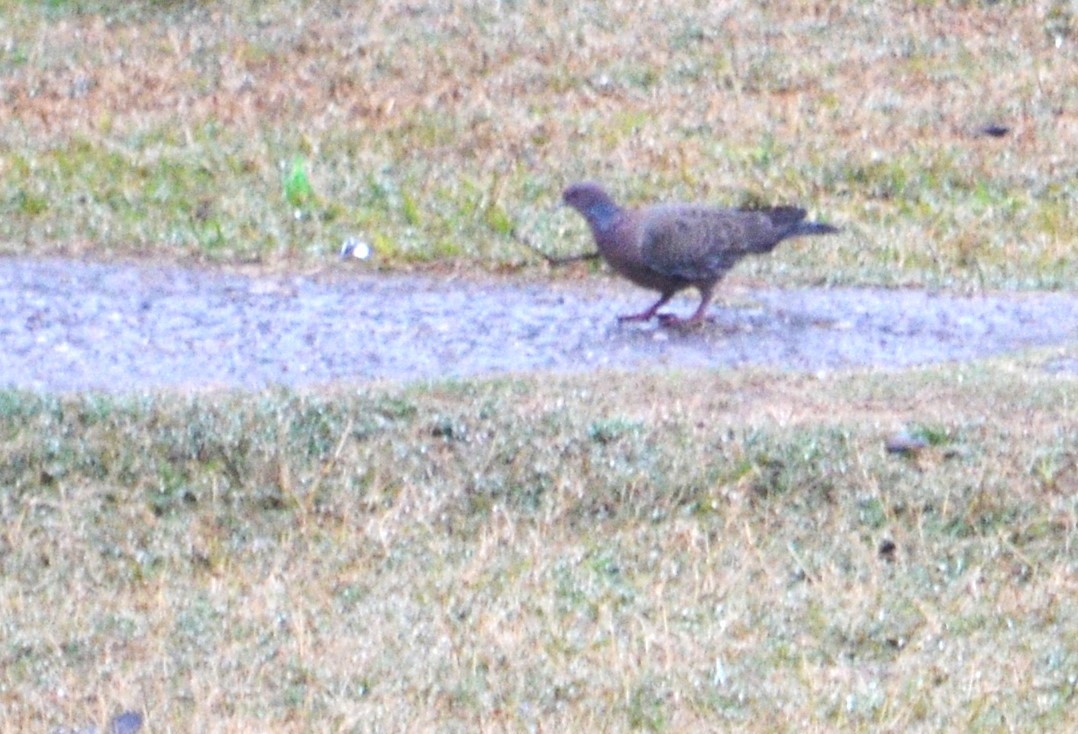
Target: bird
x=670 y=247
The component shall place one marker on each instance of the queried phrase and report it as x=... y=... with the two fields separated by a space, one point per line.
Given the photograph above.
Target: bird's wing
x=698 y=242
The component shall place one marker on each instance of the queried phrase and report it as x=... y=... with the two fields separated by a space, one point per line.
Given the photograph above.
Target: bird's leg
x=646 y=315
x=698 y=317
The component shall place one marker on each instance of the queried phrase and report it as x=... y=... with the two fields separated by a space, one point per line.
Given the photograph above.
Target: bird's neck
x=603 y=216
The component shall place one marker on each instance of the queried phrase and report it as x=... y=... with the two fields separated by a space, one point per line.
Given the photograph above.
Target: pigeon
x=670 y=247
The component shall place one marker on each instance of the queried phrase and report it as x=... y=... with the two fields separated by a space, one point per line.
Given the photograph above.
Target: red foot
x=670 y=320
x=642 y=316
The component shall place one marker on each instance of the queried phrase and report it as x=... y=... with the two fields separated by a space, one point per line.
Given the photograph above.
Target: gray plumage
x=670 y=247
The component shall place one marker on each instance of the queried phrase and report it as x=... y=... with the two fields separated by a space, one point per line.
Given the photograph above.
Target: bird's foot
x=673 y=321
x=633 y=317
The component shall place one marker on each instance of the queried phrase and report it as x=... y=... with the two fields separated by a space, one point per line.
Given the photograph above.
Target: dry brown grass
x=169 y=131
x=658 y=553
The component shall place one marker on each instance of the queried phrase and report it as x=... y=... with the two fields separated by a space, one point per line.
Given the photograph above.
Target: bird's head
x=592 y=202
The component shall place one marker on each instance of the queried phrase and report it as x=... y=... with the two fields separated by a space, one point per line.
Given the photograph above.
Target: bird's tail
x=789 y=221
x=810 y=228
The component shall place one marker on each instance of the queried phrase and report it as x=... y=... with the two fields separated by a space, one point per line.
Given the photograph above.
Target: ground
x=136 y=327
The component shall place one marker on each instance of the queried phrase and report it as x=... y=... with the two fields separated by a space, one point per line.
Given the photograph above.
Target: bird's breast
x=621 y=248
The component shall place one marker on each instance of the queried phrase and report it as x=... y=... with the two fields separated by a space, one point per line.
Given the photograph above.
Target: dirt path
x=68 y=325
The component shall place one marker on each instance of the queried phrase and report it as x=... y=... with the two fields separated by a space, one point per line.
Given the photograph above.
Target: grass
x=430 y=130
x=660 y=552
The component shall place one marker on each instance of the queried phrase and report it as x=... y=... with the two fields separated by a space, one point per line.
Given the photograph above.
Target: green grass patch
x=432 y=133
x=653 y=552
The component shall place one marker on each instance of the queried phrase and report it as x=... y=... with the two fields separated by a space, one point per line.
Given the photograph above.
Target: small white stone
x=355 y=247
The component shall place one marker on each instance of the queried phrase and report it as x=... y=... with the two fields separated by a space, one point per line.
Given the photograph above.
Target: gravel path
x=69 y=325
